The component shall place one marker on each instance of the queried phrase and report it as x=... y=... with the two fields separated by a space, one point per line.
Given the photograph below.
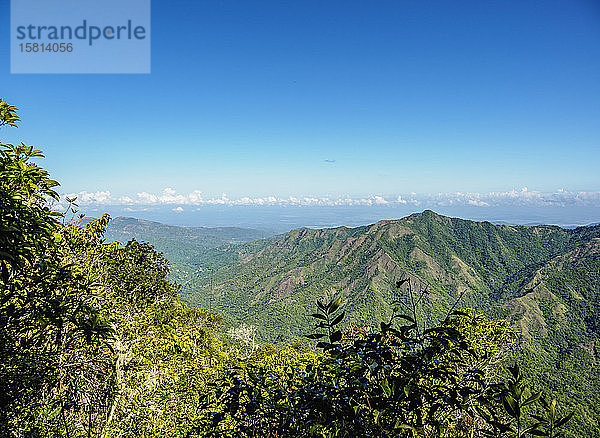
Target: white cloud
x=147 y=198
x=478 y=203
x=379 y=200
x=178 y=209
x=91 y=198
x=514 y=197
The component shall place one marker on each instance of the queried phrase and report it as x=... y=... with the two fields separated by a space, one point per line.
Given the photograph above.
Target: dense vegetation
x=543 y=279
x=95 y=342
x=188 y=249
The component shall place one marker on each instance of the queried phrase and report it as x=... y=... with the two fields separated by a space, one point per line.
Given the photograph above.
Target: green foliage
x=8 y=114
x=392 y=383
x=42 y=312
x=94 y=340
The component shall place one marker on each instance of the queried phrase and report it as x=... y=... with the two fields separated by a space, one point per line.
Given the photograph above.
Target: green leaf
x=531 y=399
x=376 y=414
x=406 y=317
x=324 y=345
x=552 y=409
x=335 y=336
x=385 y=386
x=338 y=319
x=533 y=427
x=334 y=305
x=564 y=419
x=511 y=406
x=405 y=427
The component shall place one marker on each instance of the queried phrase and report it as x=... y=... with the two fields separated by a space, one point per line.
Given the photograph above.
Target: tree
x=43 y=307
x=93 y=335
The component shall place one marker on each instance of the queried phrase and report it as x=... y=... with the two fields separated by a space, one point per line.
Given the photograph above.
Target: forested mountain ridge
x=482 y=262
x=207 y=237
x=544 y=279
x=557 y=312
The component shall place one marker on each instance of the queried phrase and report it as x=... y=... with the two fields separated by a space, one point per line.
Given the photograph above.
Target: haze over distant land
x=282 y=219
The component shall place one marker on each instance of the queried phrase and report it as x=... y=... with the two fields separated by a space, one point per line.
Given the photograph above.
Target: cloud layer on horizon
x=522 y=197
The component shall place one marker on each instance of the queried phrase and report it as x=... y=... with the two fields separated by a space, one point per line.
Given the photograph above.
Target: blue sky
x=336 y=100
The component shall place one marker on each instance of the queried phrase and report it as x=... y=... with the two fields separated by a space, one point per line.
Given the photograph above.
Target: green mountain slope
x=545 y=279
x=189 y=249
x=273 y=286
x=558 y=314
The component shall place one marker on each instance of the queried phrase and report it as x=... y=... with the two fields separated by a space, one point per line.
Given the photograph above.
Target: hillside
x=189 y=249
x=557 y=312
x=543 y=278
x=480 y=261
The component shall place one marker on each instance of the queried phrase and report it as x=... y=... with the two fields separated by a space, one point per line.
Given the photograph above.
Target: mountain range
x=544 y=279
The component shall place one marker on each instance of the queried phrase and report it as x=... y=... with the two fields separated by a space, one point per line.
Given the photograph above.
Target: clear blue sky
x=330 y=98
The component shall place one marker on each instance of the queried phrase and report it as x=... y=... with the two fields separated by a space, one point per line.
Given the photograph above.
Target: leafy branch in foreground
x=401 y=381
x=515 y=398
x=8 y=114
